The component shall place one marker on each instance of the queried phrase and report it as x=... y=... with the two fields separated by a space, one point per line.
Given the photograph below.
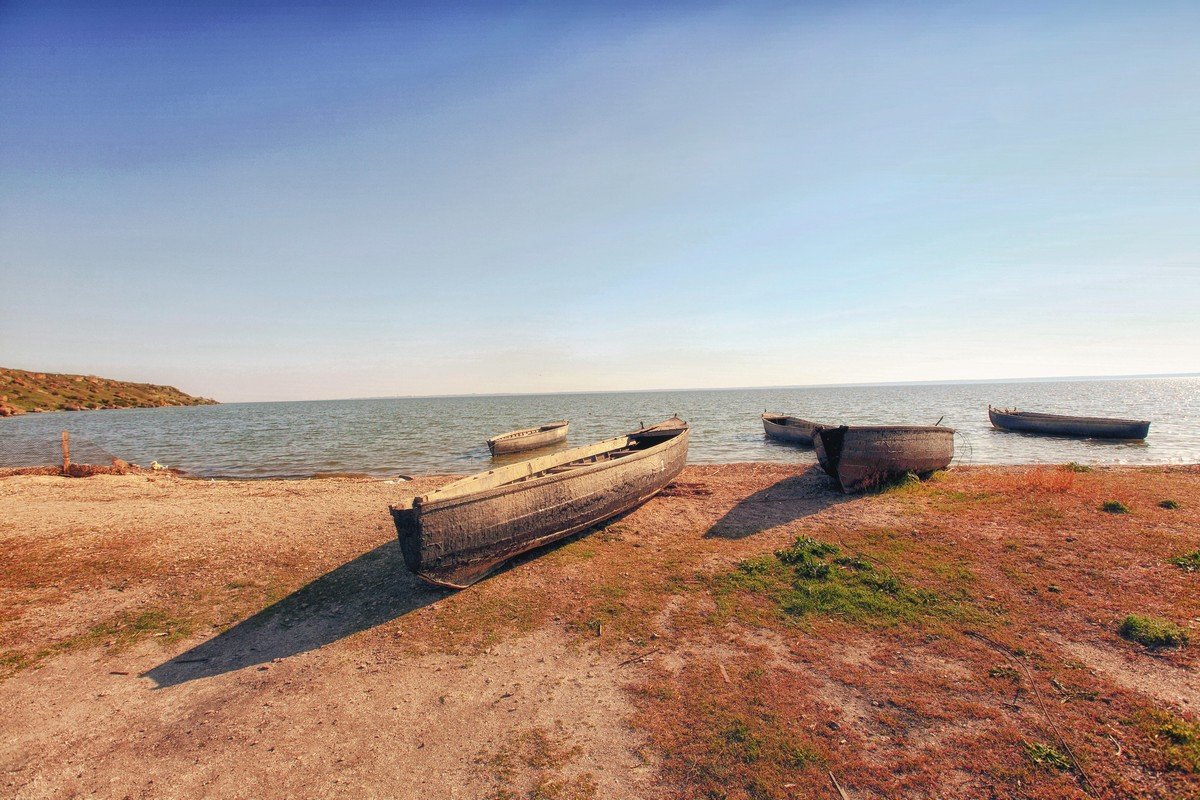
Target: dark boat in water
x=529 y=438
x=859 y=457
x=1062 y=425
x=459 y=533
x=789 y=429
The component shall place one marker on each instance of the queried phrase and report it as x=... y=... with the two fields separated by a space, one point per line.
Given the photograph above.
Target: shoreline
x=174 y=637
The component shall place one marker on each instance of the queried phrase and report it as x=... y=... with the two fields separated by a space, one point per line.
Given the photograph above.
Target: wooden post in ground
x=66 y=448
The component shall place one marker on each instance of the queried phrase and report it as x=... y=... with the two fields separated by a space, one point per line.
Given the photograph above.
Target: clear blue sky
x=260 y=201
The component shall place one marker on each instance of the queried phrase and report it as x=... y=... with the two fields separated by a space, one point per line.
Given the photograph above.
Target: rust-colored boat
x=859 y=457
x=789 y=429
x=1063 y=425
x=529 y=438
x=461 y=532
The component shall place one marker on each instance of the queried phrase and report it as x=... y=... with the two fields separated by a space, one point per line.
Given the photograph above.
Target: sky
x=267 y=201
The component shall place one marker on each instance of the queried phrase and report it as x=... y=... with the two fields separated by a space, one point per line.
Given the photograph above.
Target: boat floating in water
x=529 y=438
x=859 y=457
x=1062 y=425
x=789 y=429
x=461 y=532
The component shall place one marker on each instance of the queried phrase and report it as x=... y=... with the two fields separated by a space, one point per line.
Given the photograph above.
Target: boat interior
x=564 y=461
x=528 y=431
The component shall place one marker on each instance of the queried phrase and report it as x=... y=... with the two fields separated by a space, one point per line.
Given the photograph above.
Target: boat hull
x=789 y=429
x=1062 y=425
x=861 y=457
x=458 y=540
x=528 y=439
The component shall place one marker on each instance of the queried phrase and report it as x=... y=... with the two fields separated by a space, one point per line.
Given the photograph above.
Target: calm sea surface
x=446 y=434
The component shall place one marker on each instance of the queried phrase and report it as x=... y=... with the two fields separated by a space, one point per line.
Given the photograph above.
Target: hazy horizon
x=651 y=390
x=328 y=202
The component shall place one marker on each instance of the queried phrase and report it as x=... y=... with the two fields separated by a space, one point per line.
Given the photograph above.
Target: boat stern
x=408 y=529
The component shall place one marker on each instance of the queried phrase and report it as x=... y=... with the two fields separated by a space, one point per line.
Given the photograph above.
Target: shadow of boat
x=785 y=501
x=370 y=590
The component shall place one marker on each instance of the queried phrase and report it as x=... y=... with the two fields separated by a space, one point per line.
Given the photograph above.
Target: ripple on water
x=447 y=435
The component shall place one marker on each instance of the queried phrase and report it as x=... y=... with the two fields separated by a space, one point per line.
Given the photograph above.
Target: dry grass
x=957 y=637
x=536 y=764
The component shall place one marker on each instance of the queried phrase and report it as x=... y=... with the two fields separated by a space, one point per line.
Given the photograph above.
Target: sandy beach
x=959 y=638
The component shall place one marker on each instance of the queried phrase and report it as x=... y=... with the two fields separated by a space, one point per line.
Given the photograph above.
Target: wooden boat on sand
x=459 y=533
x=529 y=438
x=789 y=429
x=1062 y=425
x=861 y=456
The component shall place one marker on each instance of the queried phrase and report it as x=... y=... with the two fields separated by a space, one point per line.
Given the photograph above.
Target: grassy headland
x=22 y=391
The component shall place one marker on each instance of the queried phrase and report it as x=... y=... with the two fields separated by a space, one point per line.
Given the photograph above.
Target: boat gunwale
x=790 y=421
x=1012 y=412
x=904 y=428
x=454 y=494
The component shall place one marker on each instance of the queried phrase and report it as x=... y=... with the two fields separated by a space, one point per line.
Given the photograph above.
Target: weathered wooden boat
x=1062 y=425
x=861 y=456
x=789 y=429
x=459 y=533
x=529 y=438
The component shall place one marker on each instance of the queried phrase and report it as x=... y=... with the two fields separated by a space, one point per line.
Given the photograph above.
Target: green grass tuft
x=813 y=578
x=1188 y=562
x=1114 y=507
x=1006 y=672
x=1178 y=740
x=1153 y=632
x=900 y=484
x=748 y=744
x=1072 y=466
x=125 y=629
x=1170 y=505
x=1046 y=756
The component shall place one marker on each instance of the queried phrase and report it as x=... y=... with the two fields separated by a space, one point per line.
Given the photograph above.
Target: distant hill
x=22 y=391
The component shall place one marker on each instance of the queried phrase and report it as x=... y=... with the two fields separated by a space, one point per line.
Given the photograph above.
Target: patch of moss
x=531 y=766
x=1153 y=632
x=127 y=628
x=960 y=497
x=1178 y=740
x=812 y=577
x=1114 y=507
x=1189 y=562
x=908 y=479
x=13 y=661
x=748 y=745
x=1006 y=672
x=1045 y=755
x=753 y=742
x=117 y=632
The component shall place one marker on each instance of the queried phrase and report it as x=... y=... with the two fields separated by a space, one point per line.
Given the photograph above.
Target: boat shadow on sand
x=370 y=590
x=780 y=503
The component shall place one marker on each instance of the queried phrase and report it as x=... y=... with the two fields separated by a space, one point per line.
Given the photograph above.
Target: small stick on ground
x=841 y=792
x=1087 y=783
x=642 y=657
